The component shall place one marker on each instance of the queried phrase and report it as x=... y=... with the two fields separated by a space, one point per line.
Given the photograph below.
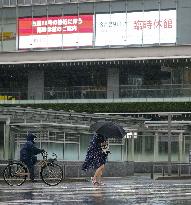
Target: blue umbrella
x=108 y=129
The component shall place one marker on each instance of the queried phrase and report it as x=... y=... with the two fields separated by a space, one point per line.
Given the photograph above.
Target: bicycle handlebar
x=54 y=155
x=45 y=155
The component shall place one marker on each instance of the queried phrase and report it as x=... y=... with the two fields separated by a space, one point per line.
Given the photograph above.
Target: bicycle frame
x=41 y=163
x=20 y=170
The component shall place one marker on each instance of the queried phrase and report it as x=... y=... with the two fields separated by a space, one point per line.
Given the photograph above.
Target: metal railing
x=165 y=91
x=176 y=170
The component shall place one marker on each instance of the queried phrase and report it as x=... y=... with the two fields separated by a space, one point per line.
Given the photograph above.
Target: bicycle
x=16 y=172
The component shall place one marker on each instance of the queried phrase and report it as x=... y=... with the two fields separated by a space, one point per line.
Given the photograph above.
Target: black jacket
x=28 y=150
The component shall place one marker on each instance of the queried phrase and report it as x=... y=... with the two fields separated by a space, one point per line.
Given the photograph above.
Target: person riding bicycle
x=28 y=154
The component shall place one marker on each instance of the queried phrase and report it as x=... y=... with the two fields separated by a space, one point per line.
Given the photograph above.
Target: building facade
x=94 y=49
x=79 y=51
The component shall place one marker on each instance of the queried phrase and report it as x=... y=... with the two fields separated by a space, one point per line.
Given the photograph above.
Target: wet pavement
x=116 y=191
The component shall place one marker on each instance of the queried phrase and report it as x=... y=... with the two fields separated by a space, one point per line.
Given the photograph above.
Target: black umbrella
x=108 y=129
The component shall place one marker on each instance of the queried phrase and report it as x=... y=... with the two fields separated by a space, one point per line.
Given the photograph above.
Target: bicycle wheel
x=51 y=174
x=15 y=173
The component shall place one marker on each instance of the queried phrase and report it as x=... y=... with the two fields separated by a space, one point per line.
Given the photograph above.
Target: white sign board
x=136 y=28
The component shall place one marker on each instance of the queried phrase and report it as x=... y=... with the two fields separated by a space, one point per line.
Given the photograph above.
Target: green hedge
x=117 y=107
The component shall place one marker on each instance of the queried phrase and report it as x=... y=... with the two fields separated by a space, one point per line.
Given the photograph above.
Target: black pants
x=31 y=170
x=30 y=167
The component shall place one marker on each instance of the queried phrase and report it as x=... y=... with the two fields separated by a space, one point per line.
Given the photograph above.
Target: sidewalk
x=116 y=191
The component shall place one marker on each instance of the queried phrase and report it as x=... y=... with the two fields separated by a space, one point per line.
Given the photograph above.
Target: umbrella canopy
x=108 y=129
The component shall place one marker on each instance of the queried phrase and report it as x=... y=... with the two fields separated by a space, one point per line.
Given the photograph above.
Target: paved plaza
x=117 y=191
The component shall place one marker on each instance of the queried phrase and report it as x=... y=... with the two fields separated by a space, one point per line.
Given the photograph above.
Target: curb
x=173 y=178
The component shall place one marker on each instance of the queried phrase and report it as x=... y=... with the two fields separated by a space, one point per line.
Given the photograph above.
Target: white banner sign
x=136 y=28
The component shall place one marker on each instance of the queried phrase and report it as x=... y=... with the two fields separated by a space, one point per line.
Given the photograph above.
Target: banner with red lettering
x=57 y=31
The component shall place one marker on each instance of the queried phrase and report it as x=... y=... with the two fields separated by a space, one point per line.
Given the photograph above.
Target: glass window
x=8 y=29
x=164 y=4
x=36 y=1
x=21 y=2
x=138 y=144
x=86 y=8
x=27 y=2
x=163 y=147
x=149 y=144
x=13 y=2
x=50 y=1
x=84 y=143
x=151 y=5
x=56 y=148
x=6 y=2
x=116 y=153
x=1 y=29
x=71 y=152
x=75 y=83
x=13 y=82
x=69 y=9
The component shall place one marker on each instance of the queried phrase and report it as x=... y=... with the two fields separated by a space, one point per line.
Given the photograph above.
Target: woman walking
x=96 y=157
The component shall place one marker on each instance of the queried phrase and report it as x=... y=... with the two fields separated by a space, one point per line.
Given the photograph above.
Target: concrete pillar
x=187 y=82
x=156 y=147
x=8 y=150
x=187 y=76
x=113 y=83
x=36 y=84
x=180 y=140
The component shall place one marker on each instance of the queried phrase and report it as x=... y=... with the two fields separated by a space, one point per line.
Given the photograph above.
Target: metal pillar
x=143 y=146
x=132 y=148
x=8 y=149
x=156 y=140
x=169 y=145
x=180 y=140
x=64 y=146
x=79 y=147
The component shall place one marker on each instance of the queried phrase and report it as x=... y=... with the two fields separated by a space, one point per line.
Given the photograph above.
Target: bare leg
x=98 y=173
x=101 y=173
